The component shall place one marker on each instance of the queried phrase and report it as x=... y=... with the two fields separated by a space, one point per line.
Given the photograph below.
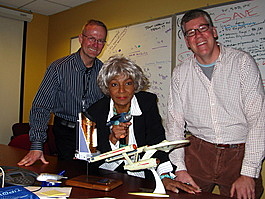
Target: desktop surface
x=9 y=156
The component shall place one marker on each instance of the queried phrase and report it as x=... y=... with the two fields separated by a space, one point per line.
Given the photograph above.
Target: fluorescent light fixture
x=15 y=14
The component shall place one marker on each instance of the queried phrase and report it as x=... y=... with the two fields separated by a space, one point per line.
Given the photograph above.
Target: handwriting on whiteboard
x=240 y=25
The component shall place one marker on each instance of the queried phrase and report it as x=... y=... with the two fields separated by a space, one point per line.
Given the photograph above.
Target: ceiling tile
x=70 y=3
x=50 y=8
x=45 y=7
x=14 y=3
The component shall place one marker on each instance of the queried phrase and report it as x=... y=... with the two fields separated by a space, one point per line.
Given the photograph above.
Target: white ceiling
x=44 y=7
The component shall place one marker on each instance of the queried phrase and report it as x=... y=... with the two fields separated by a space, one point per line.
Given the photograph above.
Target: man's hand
x=184 y=177
x=32 y=157
x=173 y=185
x=243 y=188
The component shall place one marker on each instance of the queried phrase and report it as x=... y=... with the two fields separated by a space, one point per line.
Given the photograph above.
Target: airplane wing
x=143 y=164
x=113 y=153
x=167 y=145
x=54 y=181
x=131 y=153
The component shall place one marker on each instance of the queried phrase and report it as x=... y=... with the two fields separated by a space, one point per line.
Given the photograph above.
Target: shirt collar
x=135 y=108
x=81 y=66
x=219 y=58
x=221 y=54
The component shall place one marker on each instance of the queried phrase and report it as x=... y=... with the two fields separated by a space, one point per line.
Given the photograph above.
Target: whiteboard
x=149 y=46
x=240 y=25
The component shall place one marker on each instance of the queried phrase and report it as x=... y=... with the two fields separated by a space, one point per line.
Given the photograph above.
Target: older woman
x=122 y=81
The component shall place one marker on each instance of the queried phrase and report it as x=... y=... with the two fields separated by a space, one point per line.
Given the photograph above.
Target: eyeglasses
x=192 y=32
x=94 y=40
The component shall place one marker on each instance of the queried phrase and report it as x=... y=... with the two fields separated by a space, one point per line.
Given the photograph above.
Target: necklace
x=115 y=111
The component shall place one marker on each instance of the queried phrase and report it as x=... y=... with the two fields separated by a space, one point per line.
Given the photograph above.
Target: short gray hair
x=194 y=14
x=120 y=65
x=92 y=22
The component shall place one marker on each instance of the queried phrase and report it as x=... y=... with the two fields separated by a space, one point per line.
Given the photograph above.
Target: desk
x=9 y=156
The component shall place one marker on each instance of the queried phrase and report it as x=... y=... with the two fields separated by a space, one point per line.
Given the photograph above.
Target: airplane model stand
x=159 y=185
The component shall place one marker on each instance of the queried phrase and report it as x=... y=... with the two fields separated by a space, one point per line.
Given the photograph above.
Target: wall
x=36 y=56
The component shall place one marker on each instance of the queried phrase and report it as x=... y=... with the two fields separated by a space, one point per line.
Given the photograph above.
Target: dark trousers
x=65 y=140
x=210 y=166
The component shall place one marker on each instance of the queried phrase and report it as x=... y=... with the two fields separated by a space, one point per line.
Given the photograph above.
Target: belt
x=228 y=146
x=66 y=123
x=219 y=146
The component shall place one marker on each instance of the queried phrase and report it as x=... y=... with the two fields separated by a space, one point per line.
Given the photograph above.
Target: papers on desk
x=150 y=194
x=50 y=192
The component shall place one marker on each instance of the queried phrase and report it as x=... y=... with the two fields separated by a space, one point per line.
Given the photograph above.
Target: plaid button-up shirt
x=229 y=109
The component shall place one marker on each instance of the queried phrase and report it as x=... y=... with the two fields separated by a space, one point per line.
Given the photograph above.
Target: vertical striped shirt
x=65 y=83
x=229 y=109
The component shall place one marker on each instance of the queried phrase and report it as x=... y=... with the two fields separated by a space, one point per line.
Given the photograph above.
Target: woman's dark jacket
x=148 y=128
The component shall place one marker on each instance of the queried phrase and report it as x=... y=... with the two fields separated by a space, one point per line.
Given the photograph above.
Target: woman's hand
x=119 y=131
x=173 y=185
x=184 y=177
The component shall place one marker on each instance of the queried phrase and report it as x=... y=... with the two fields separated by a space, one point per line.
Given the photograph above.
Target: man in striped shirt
x=69 y=87
x=217 y=94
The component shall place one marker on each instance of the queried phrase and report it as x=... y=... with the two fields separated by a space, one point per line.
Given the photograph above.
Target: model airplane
x=134 y=162
x=48 y=179
x=130 y=153
x=131 y=150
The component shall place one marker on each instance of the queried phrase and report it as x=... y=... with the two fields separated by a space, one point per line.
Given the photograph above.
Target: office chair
x=20 y=138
